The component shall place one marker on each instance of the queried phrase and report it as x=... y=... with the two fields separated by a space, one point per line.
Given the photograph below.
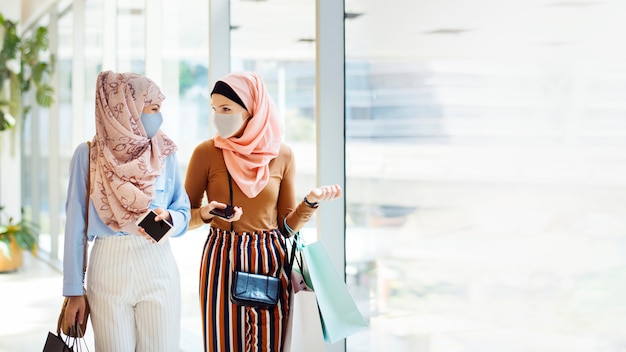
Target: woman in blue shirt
x=133 y=282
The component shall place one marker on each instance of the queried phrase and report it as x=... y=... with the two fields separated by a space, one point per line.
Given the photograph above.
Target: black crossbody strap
x=230 y=189
x=293 y=248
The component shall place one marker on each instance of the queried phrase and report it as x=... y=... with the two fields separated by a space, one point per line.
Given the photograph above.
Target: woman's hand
x=205 y=211
x=323 y=194
x=75 y=310
x=162 y=214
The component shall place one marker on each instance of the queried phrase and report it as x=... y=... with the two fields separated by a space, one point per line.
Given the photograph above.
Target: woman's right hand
x=205 y=211
x=324 y=194
x=75 y=310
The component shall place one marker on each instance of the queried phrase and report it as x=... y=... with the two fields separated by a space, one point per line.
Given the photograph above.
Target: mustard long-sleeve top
x=207 y=174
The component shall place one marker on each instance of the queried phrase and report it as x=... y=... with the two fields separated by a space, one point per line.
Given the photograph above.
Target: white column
x=219 y=43
x=330 y=143
x=54 y=159
x=109 y=35
x=78 y=73
x=219 y=39
x=154 y=37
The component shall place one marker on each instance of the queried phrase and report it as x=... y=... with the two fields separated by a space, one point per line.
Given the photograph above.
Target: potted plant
x=25 y=65
x=15 y=237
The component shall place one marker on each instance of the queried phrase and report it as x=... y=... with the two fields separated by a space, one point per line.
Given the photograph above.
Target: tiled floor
x=30 y=300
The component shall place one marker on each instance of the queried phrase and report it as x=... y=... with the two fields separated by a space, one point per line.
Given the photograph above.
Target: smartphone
x=225 y=213
x=156 y=229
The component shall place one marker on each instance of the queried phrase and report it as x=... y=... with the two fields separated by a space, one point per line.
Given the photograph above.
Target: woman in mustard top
x=246 y=165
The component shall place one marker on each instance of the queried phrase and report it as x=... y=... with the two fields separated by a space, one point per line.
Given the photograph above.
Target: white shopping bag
x=306 y=327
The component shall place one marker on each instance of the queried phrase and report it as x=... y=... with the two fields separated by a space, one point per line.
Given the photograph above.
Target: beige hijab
x=124 y=162
x=247 y=157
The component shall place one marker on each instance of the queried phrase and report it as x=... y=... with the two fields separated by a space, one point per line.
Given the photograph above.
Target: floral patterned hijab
x=247 y=157
x=124 y=161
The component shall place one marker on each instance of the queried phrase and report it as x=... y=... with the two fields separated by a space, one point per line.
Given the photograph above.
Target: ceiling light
x=576 y=3
x=448 y=31
x=351 y=15
x=554 y=44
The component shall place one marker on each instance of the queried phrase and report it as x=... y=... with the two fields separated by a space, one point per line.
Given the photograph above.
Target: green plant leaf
x=24 y=232
x=38 y=72
x=25 y=241
x=25 y=61
x=6 y=121
x=11 y=41
x=25 y=85
x=41 y=39
x=44 y=95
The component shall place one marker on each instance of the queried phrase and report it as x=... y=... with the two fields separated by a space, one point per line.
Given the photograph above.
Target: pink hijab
x=247 y=157
x=124 y=162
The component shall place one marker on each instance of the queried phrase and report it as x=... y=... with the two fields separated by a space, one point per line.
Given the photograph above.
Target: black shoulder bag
x=256 y=290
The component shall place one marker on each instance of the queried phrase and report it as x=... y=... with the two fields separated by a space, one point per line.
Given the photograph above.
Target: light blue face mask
x=151 y=123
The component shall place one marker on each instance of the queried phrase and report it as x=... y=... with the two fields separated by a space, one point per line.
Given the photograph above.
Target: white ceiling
x=440 y=29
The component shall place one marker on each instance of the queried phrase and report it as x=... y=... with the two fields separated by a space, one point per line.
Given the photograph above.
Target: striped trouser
x=133 y=287
x=228 y=327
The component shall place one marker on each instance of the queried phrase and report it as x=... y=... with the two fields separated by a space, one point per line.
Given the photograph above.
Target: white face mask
x=228 y=124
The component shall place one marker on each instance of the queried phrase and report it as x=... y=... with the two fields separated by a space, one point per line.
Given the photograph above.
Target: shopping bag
x=340 y=317
x=58 y=343
x=55 y=343
x=298 y=283
x=304 y=328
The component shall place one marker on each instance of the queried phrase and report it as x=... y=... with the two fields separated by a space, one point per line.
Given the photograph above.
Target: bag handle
x=86 y=243
x=230 y=190
x=295 y=237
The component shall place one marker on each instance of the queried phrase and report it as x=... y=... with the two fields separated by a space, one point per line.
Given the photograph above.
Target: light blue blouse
x=170 y=194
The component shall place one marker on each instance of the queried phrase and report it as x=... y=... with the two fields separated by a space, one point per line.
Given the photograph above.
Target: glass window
x=285 y=59
x=186 y=120
x=185 y=74
x=63 y=103
x=93 y=54
x=485 y=182
x=35 y=160
x=131 y=34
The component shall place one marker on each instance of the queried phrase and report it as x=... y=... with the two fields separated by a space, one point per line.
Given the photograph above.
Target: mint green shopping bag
x=338 y=312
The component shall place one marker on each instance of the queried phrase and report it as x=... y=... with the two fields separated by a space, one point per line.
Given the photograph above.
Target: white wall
x=32 y=9
x=10 y=9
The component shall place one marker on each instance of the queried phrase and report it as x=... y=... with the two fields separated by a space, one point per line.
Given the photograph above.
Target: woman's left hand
x=324 y=194
x=162 y=214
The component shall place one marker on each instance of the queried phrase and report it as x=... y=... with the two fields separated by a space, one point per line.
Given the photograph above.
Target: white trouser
x=133 y=287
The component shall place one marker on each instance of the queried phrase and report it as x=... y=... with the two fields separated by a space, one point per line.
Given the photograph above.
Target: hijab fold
x=247 y=157
x=124 y=162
